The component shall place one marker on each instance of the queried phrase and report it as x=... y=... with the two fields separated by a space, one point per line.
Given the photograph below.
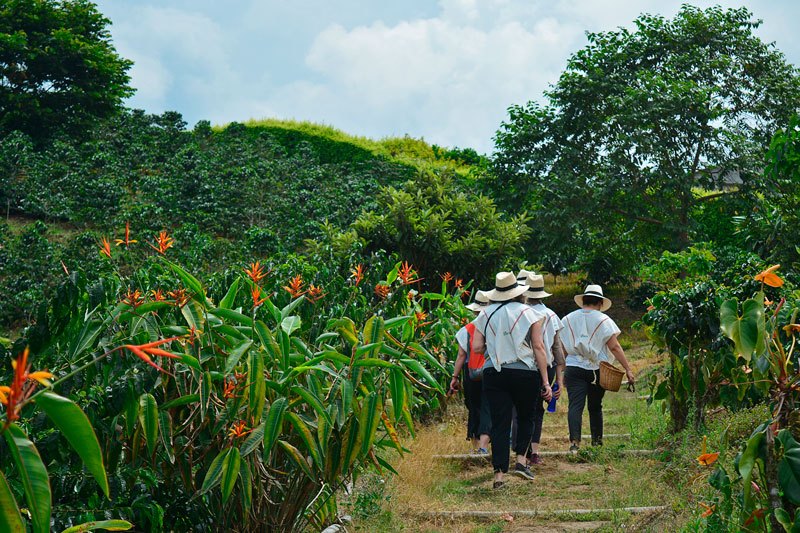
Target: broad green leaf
x=370 y=349
x=346 y=391
x=307 y=437
x=106 y=525
x=789 y=467
x=33 y=475
x=230 y=472
x=273 y=311
x=390 y=429
x=76 y=428
x=165 y=431
x=191 y=282
x=346 y=329
x=373 y=334
x=273 y=423
x=295 y=455
x=425 y=354
x=351 y=444
x=301 y=346
x=313 y=401
x=85 y=340
x=232 y=316
x=397 y=321
x=191 y=361
x=374 y=363
x=253 y=440
x=179 y=401
x=420 y=370
x=286 y=311
x=230 y=296
x=10 y=519
x=392 y=275
x=257 y=387
x=747 y=461
x=746 y=331
x=247 y=484
x=193 y=314
x=290 y=324
x=397 y=389
x=235 y=354
x=214 y=474
x=148 y=418
x=372 y=409
x=205 y=393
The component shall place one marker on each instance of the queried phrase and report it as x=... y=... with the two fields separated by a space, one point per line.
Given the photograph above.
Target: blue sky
x=445 y=71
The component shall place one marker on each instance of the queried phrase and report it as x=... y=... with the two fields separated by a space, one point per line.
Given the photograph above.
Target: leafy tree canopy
x=58 y=68
x=643 y=126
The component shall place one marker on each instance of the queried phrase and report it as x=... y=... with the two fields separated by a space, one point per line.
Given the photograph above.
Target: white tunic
x=508 y=333
x=585 y=335
x=550 y=327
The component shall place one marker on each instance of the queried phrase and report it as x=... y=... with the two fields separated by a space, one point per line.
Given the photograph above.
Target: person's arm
x=541 y=359
x=560 y=360
x=462 y=356
x=478 y=341
x=615 y=348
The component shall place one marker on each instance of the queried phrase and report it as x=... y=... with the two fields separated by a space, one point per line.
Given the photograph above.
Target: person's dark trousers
x=510 y=387
x=581 y=385
x=478 y=417
x=539 y=406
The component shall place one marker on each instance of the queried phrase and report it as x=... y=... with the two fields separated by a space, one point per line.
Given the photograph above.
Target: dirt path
x=600 y=489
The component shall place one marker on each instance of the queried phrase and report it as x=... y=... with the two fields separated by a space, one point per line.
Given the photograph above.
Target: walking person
x=479 y=422
x=555 y=357
x=589 y=336
x=510 y=333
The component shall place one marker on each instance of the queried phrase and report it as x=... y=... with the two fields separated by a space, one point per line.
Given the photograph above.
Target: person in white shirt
x=589 y=335
x=555 y=356
x=510 y=333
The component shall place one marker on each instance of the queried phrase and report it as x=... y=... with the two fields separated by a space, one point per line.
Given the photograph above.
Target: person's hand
x=547 y=392
x=557 y=393
x=454 y=385
x=631 y=377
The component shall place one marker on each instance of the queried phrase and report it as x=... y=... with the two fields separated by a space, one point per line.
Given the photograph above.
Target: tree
x=645 y=125
x=58 y=68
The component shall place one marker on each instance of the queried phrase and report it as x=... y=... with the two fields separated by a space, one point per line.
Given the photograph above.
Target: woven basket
x=610 y=377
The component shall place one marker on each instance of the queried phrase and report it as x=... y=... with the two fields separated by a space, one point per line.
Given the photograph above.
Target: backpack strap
x=490 y=318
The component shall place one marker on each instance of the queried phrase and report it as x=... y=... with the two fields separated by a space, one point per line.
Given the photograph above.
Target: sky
x=445 y=71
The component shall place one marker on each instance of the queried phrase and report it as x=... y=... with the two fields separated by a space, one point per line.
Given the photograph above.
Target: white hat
x=596 y=291
x=506 y=287
x=523 y=275
x=481 y=301
x=535 y=283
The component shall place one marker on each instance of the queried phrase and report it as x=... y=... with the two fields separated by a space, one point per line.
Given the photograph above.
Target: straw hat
x=535 y=283
x=506 y=287
x=481 y=301
x=593 y=290
x=523 y=275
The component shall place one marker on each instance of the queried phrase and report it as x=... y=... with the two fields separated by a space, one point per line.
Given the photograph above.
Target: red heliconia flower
x=357 y=273
x=255 y=293
x=127 y=241
x=164 y=242
x=14 y=396
x=158 y=295
x=314 y=293
x=709 y=509
x=459 y=283
x=144 y=351
x=238 y=430
x=407 y=274
x=133 y=298
x=295 y=287
x=105 y=247
x=230 y=389
x=179 y=297
x=382 y=291
x=256 y=272
x=447 y=277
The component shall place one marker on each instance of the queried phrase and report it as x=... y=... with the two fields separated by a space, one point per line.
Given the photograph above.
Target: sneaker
x=597 y=442
x=523 y=471
x=534 y=459
x=482 y=451
x=498 y=485
x=573 y=449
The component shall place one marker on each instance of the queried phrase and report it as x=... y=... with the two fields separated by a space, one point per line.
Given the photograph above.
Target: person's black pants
x=539 y=405
x=582 y=384
x=509 y=388
x=479 y=421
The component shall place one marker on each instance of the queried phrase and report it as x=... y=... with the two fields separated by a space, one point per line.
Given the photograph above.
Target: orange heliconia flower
x=295 y=287
x=768 y=277
x=256 y=272
x=459 y=283
x=407 y=274
x=144 y=351
x=757 y=514
x=164 y=242
x=158 y=295
x=447 y=277
x=230 y=389
x=133 y=298
x=127 y=241
x=255 y=293
x=709 y=509
x=14 y=396
x=708 y=459
x=105 y=247
x=358 y=273
x=382 y=291
x=420 y=316
x=239 y=429
x=314 y=293
x=179 y=297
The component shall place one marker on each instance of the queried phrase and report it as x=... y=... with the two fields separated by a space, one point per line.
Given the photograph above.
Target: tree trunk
x=771 y=478
x=677 y=407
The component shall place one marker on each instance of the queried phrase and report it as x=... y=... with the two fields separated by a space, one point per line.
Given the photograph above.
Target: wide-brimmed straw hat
x=535 y=283
x=523 y=275
x=593 y=290
x=481 y=301
x=506 y=287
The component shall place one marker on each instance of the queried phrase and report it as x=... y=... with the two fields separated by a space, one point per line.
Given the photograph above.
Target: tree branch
x=638 y=217
x=714 y=195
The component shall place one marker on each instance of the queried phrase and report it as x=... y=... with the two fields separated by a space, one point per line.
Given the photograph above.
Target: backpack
x=477 y=360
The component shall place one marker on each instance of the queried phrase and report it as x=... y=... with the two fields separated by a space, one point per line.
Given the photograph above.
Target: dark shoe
x=523 y=471
x=573 y=449
x=534 y=459
x=498 y=485
x=597 y=442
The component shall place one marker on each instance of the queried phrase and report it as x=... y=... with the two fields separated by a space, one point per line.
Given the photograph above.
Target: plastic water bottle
x=551 y=407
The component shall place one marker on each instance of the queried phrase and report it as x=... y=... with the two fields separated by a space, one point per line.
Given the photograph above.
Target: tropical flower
x=768 y=277
x=255 y=292
x=420 y=316
x=447 y=277
x=358 y=273
x=407 y=274
x=230 y=389
x=382 y=291
x=158 y=295
x=791 y=329
x=14 y=396
x=127 y=241
x=179 y=297
x=105 y=247
x=239 y=429
x=295 y=287
x=756 y=514
x=459 y=283
x=314 y=293
x=256 y=272
x=164 y=242
x=707 y=459
x=144 y=351
x=133 y=298
x=709 y=509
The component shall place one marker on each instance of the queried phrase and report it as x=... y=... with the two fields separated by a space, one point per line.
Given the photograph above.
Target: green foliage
x=639 y=122
x=58 y=68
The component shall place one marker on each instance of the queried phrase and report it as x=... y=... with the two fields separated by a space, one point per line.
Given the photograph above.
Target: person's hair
x=592 y=301
x=534 y=301
x=521 y=298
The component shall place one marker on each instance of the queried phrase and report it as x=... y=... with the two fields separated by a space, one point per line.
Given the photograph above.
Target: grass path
x=598 y=481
